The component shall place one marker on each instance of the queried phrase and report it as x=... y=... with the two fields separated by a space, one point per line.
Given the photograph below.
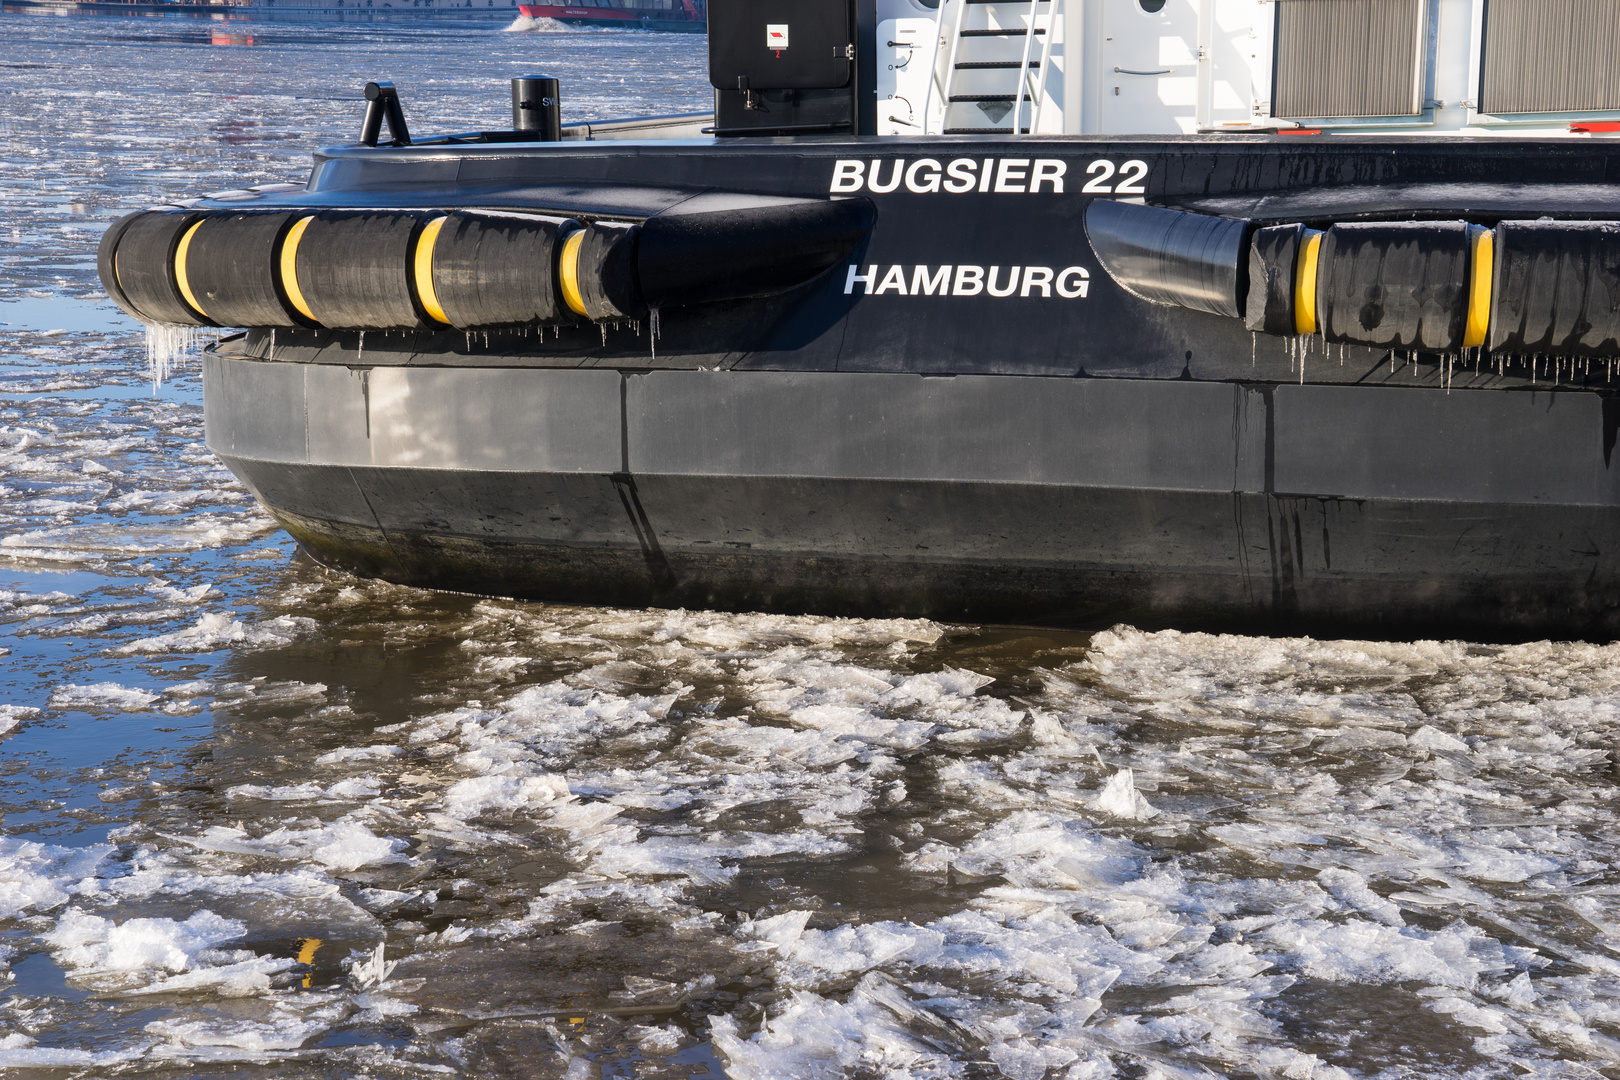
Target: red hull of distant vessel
x=688 y=15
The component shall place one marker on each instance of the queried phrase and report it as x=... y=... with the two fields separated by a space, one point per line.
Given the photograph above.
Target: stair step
x=983 y=65
x=1010 y=32
x=985 y=131
x=972 y=98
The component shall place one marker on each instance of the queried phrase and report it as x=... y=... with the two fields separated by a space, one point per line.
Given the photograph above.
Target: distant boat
x=441 y=11
x=679 y=15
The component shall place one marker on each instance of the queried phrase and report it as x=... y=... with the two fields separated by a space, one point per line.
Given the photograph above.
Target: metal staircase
x=997 y=55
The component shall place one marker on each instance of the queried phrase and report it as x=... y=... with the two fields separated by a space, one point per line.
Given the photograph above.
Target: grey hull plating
x=1082 y=501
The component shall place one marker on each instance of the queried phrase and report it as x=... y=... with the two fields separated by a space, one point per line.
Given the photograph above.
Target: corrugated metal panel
x=1551 y=56
x=1348 y=58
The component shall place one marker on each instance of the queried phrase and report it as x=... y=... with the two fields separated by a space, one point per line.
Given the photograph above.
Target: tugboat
x=679 y=15
x=1289 y=317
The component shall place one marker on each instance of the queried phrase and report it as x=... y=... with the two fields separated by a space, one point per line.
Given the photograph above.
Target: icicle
x=486 y=339
x=604 y=334
x=272 y=355
x=1254 y=346
x=652 y=331
x=361 y=351
x=166 y=346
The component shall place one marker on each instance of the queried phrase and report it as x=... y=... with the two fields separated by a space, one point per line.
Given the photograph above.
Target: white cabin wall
x=1456 y=48
x=1216 y=58
x=1235 y=67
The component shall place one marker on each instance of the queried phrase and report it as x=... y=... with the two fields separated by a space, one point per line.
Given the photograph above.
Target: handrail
x=1046 y=63
x=1023 y=66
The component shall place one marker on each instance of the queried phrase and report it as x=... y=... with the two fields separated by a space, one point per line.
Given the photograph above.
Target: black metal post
x=382 y=103
x=537 y=107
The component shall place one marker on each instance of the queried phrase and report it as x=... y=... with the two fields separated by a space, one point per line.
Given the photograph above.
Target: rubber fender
x=231 y=268
x=1556 y=288
x=352 y=269
x=1395 y=285
x=1273 y=263
x=598 y=270
x=494 y=269
x=143 y=267
x=1195 y=261
x=748 y=251
x=106 y=253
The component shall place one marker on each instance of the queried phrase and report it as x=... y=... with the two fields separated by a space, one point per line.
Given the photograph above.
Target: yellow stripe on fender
x=1479 y=290
x=180 y=269
x=1305 y=283
x=424 y=270
x=568 y=272
x=289 y=268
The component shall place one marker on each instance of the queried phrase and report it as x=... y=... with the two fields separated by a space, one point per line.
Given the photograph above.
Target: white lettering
x=1098 y=184
x=1012 y=176
x=1048 y=171
x=927 y=183
x=1012 y=169
x=1037 y=277
x=961 y=173
x=1131 y=175
x=1012 y=282
x=969 y=281
x=923 y=285
x=894 y=178
x=1071 y=283
x=1077 y=275
x=895 y=279
x=848 y=176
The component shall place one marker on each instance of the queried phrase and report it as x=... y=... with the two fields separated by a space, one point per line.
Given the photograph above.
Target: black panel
x=780 y=44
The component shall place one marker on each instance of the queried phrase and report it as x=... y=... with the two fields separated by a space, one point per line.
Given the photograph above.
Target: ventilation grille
x=1349 y=58
x=1551 y=56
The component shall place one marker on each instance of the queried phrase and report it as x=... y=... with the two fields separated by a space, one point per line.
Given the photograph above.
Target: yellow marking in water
x=308 y=945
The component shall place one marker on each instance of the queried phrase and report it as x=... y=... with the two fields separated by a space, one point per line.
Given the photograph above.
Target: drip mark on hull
x=657 y=565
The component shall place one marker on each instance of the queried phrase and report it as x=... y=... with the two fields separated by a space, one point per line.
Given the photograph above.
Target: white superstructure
x=1482 y=67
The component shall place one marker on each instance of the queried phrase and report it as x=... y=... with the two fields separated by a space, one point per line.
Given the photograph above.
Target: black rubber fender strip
x=106 y=265
x=746 y=252
x=231 y=267
x=607 y=271
x=1556 y=288
x=143 y=266
x=354 y=269
x=1195 y=261
x=1273 y=266
x=499 y=269
x=1395 y=285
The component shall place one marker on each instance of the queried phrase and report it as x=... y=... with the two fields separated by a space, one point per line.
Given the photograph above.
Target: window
x=1349 y=58
x=1550 y=56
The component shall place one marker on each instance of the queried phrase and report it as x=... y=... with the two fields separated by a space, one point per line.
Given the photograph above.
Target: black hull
x=1277 y=509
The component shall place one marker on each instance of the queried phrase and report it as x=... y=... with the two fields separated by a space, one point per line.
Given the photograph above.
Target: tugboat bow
x=901 y=328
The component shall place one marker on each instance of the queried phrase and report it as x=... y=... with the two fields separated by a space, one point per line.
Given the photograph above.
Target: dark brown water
x=264 y=820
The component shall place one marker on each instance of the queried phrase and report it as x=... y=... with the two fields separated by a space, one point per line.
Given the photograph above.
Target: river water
x=265 y=820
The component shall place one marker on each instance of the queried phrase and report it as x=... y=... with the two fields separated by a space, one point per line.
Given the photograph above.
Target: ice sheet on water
x=102 y=697
x=215 y=630
x=38 y=877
